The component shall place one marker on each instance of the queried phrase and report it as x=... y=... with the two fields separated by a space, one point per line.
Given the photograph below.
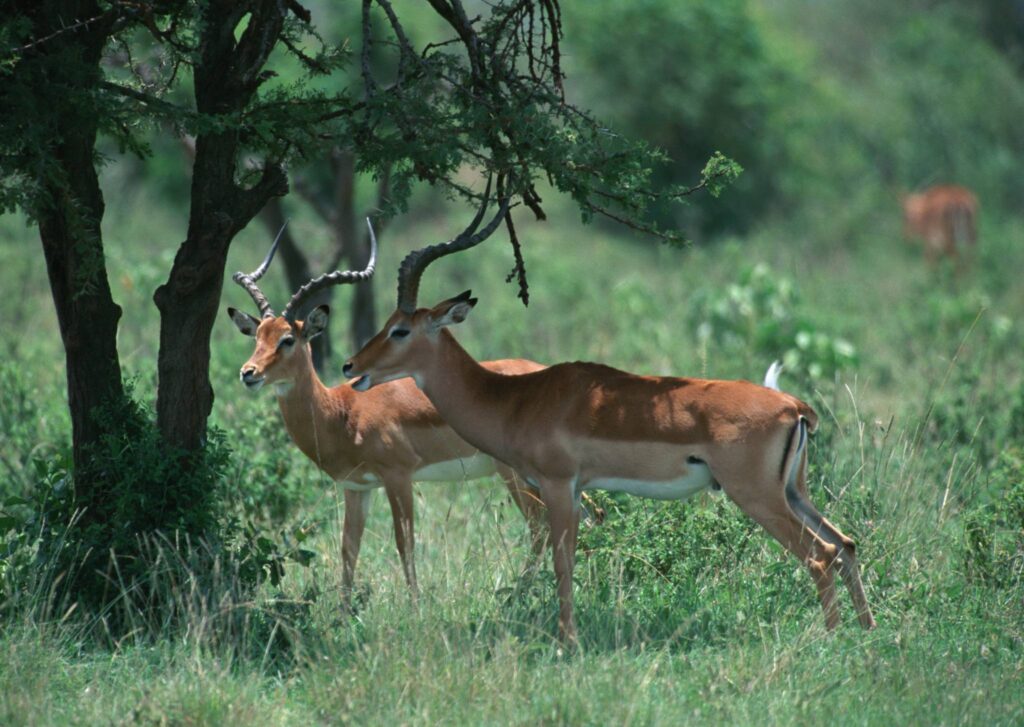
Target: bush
x=690 y=78
x=26 y=431
x=162 y=519
x=675 y=541
x=757 y=315
x=994 y=531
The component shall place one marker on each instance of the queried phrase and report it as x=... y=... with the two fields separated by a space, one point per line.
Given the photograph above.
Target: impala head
x=282 y=346
x=406 y=344
x=282 y=342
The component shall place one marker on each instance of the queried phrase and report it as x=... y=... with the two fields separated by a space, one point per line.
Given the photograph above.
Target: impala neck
x=304 y=399
x=465 y=394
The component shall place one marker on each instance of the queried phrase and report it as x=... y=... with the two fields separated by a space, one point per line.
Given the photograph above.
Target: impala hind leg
x=399 y=490
x=356 y=507
x=796 y=496
x=560 y=499
x=775 y=516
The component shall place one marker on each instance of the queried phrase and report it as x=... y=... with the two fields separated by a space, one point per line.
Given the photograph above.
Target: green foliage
x=268 y=485
x=674 y=541
x=663 y=558
x=994 y=530
x=896 y=104
x=24 y=522
x=758 y=314
x=820 y=119
x=26 y=430
x=453 y=105
x=148 y=489
x=689 y=78
x=159 y=508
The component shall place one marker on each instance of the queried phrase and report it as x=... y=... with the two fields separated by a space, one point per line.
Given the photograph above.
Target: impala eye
x=285 y=342
x=399 y=332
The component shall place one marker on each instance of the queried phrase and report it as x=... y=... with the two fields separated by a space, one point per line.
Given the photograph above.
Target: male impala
x=387 y=438
x=944 y=218
x=579 y=426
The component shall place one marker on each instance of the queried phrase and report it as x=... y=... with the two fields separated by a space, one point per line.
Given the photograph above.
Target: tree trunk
x=69 y=212
x=227 y=74
x=70 y=232
x=188 y=301
x=188 y=306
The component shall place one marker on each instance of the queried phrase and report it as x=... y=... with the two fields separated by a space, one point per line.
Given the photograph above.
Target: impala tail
x=771 y=376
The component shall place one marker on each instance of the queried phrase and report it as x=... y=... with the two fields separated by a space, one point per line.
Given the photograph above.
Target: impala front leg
x=356 y=506
x=560 y=499
x=399 y=489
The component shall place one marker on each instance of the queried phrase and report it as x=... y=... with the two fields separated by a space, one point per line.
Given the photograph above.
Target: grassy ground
x=726 y=630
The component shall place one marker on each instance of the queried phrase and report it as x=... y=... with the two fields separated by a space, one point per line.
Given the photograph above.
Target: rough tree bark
x=69 y=212
x=226 y=77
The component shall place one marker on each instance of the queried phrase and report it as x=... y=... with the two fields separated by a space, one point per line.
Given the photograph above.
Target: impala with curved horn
x=578 y=426
x=386 y=438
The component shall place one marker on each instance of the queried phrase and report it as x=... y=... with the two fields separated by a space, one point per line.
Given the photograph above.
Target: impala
x=944 y=219
x=579 y=426
x=388 y=437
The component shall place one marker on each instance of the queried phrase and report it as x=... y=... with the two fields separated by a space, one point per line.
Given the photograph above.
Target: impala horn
x=412 y=267
x=248 y=280
x=338 y=277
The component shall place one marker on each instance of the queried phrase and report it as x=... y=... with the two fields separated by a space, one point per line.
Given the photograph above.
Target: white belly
x=698 y=477
x=453 y=470
x=371 y=483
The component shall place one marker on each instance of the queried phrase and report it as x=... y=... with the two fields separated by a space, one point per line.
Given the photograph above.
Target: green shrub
x=674 y=541
x=162 y=519
x=690 y=78
x=26 y=431
x=267 y=483
x=757 y=315
x=994 y=531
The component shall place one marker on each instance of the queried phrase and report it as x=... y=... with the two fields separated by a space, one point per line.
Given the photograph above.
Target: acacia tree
x=63 y=75
x=489 y=96
x=49 y=79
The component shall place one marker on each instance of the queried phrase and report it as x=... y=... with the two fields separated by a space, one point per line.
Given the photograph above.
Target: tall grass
x=687 y=613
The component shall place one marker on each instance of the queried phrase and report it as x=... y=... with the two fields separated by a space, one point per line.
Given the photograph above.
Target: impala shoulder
x=403 y=403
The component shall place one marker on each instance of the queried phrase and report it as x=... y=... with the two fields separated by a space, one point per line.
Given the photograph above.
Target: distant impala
x=945 y=219
x=579 y=426
x=388 y=437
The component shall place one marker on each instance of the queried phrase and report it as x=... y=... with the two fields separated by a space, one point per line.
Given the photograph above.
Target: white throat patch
x=282 y=387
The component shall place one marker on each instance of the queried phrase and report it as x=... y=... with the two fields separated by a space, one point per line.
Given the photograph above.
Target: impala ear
x=245 y=322
x=316 y=322
x=453 y=310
